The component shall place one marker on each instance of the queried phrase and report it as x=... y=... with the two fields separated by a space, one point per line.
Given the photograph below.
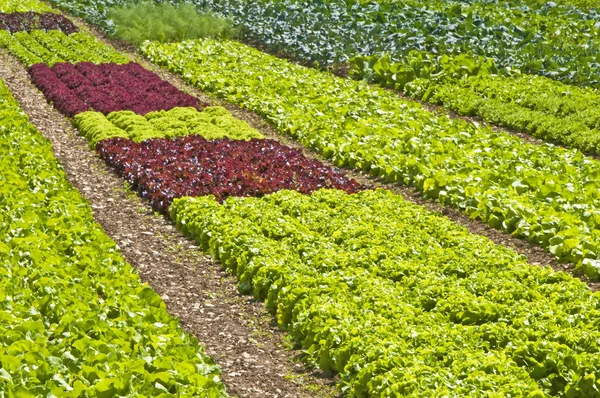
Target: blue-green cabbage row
x=546 y=194
x=555 y=40
x=75 y=319
x=403 y=302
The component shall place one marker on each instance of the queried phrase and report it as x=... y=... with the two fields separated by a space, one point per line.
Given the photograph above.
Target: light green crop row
x=549 y=195
x=75 y=319
x=212 y=123
x=54 y=46
x=403 y=302
x=540 y=106
x=24 y=6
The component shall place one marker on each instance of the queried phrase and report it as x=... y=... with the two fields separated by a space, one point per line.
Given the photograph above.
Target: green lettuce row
x=537 y=105
x=212 y=123
x=583 y=4
x=54 y=46
x=24 y=6
x=544 y=193
x=401 y=301
x=75 y=319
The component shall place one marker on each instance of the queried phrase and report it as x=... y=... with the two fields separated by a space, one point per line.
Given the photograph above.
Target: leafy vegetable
x=545 y=194
x=400 y=301
x=214 y=122
x=54 y=46
x=75 y=88
x=24 y=6
x=537 y=105
x=27 y=21
x=162 y=169
x=75 y=319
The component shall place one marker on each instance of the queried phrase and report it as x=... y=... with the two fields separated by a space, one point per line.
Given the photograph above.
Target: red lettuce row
x=161 y=169
x=107 y=88
x=28 y=21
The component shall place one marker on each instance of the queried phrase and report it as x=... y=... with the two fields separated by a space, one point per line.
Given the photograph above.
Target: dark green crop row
x=559 y=42
x=75 y=319
x=546 y=194
x=555 y=40
x=403 y=302
x=543 y=107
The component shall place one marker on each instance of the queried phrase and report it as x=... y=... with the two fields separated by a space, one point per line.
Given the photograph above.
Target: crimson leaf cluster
x=28 y=21
x=162 y=170
x=76 y=88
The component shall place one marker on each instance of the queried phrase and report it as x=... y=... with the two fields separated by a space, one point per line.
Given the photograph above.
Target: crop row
x=543 y=193
x=558 y=42
x=54 y=46
x=214 y=122
x=555 y=40
x=161 y=169
x=24 y=6
x=396 y=299
x=75 y=319
x=400 y=301
x=535 y=41
x=543 y=107
x=592 y=5
x=135 y=100
x=75 y=88
x=28 y=21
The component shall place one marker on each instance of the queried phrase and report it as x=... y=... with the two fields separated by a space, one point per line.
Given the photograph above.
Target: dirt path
x=237 y=331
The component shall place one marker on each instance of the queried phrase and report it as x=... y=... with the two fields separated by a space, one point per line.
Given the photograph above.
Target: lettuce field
x=405 y=193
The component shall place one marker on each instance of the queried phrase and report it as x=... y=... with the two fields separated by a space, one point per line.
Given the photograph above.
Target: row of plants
x=588 y=5
x=136 y=22
x=400 y=301
x=543 y=193
x=75 y=319
x=54 y=46
x=107 y=87
x=396 y=299
x=542 y=107
x=7 y=6
x=471 y=84
x=164 y=169
x=557 y=41
x=104 y=349
x=213 y=123
x=28 y=21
